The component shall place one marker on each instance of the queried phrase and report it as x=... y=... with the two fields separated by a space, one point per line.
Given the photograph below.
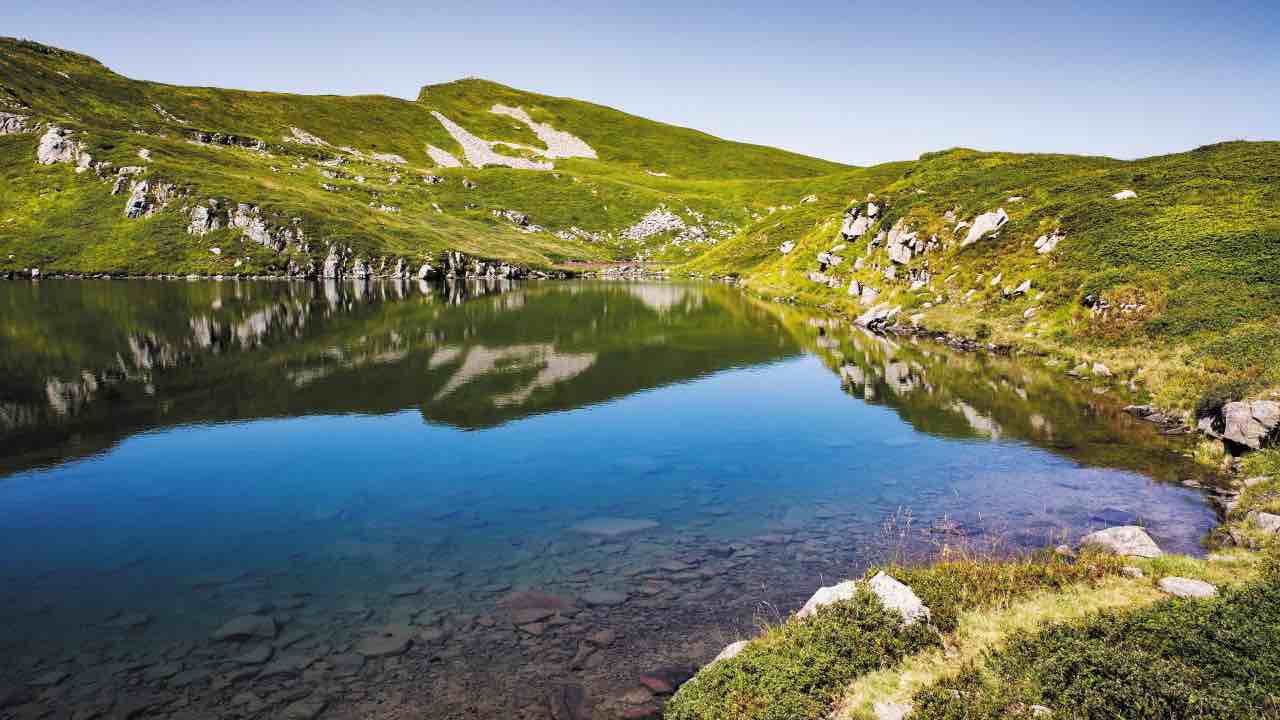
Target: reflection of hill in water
x=974 y=396
x=89 y=363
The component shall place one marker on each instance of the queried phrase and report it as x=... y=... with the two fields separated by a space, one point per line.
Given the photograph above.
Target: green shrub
x=797 y=669
x=1217 y=658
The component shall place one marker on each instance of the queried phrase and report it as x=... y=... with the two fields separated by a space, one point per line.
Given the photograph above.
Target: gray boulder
x=1125 y=540
x=1267 y=522
x=1187 y=588
x=1252 y=424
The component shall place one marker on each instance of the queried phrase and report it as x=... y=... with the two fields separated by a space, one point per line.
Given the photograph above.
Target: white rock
x=827 y=595
x=731 y=651
x=56 y=146
x=896 y=596
x=891 y=593
x=787 y=247
x=984 y=225
x=1187 y=588
x=1101 y=370
x=1126 y=540
x=1125 y=195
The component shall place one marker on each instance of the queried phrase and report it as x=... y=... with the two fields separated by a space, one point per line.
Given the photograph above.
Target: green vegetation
x=1183 y=280
x=798 y=668
x=1216 y=658
x=950 y=587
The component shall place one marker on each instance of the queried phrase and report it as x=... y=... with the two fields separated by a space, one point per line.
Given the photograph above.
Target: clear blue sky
x=855 y=82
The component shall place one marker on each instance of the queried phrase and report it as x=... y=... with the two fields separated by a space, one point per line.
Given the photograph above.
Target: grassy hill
x=1176 y=287
x=351 y=171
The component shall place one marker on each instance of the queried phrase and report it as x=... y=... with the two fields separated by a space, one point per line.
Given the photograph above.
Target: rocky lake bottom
x=531 y=500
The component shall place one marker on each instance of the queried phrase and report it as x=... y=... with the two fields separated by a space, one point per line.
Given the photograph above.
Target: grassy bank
x=996 y=621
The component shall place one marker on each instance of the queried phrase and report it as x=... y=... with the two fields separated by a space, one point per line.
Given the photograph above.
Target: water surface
x=486 y=476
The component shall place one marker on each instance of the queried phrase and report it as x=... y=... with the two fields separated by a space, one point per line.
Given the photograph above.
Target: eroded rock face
x=984 y=225
x=1125 y=540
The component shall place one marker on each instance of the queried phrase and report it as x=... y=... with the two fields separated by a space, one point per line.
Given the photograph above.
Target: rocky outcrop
x=1125 y=540
x=204 y=219
x=984 y=225
x=657 y=221
x=57 y=146
x=857 y=222
x=389 y=158
x=147 y=197
x=1245 y=424
x=14 y=124
x=731 y=651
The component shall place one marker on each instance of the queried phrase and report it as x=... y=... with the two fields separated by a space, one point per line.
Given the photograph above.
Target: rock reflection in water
x=489 y=500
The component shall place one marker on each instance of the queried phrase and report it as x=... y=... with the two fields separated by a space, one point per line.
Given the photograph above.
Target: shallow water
x=407 y=462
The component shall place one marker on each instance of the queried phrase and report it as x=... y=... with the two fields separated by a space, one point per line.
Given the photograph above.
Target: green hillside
x=1176 y=287
x=355 y=172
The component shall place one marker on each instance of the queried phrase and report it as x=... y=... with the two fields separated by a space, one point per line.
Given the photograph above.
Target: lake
x=493 y=500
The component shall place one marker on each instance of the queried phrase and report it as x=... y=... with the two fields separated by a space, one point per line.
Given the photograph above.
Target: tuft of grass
x=953 y=586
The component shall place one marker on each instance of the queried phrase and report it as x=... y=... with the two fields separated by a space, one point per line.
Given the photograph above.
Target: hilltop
x=1161 y=272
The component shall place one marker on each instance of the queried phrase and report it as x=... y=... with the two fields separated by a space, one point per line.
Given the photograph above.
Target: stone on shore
x=891 y=593
x=1125 y=540
x=731 y=651
x=1187 y=588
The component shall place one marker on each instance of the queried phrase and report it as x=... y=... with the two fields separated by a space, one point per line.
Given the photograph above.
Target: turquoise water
x=348 y=459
